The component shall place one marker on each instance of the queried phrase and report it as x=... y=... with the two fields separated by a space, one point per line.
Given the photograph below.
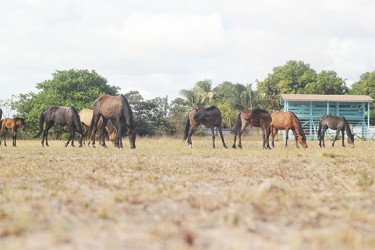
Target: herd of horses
x=116 y=108
x=270 y=124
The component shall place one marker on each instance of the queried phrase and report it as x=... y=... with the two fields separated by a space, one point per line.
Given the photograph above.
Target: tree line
x=159 y=116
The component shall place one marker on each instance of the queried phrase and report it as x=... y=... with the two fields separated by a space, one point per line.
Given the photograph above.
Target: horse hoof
x=234 y=147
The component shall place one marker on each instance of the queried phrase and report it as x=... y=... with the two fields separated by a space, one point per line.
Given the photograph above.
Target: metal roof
x=331 y=98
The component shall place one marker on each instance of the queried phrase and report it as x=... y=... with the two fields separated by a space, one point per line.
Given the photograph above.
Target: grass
x=164 y=195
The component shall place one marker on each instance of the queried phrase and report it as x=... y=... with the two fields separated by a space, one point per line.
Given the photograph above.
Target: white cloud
x=161 y=47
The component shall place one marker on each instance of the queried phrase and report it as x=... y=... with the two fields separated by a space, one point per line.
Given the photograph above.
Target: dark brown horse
x=338 y=123
x=209 y=117
x=13 y=124
x=288 y=121
x=113 y=108
x=85 y=115
x=61 y=116
x=257 y=118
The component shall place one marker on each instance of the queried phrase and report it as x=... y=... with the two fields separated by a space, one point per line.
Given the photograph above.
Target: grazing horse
x=338 y=123
x=11 y=123
x=257 y=118
x=61 y=116
x=210 y=117
x=116 y=108
x=285 y=121
x=85 y=115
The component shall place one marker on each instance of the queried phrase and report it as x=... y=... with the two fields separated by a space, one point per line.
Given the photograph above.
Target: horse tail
x=187 y=127
x=320 y=129
x=347 y=128
x=238 y=123
x=41 y=121
x=77 y=121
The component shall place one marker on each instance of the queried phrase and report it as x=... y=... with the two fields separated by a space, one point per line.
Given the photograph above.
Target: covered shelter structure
x=310 y=108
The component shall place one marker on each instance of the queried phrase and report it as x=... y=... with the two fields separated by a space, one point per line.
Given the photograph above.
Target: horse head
x=350 y=140
x=302 y=140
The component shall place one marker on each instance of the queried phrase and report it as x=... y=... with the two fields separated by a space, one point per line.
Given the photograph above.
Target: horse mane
x=76 y=119
x=300 y=130
x=128 y=113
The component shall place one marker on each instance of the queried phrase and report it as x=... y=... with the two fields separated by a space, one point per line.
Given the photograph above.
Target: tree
x=328 y=83
x=150 y=115
x=200 y=95
x=77 y=88
x=366 y=86
x=292 y=78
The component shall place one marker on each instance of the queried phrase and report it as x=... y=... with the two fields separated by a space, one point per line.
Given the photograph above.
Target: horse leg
x=295 y=137
x=14 y=138
x=243 y=127
x=95 y=127
x=222 y=137
x=70 y=128
x=101 y=132
x=286 y=136
x=191 y=131
x=342 y=136
x=4 y=134
x=235 y=137
x=268 y=132
x=337 y=136
x=213 y=136
x=274 y=133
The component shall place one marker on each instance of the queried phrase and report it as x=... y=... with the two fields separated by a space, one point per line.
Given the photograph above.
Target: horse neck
x=347 y=129
x=298 y=125
x=128 y=115
x=76 y=120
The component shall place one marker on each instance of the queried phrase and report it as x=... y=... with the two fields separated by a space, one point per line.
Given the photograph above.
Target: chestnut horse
x=288 y=121
x=11 y=123
x=338 y=123
x=210 y=117
x=85 y=115
x=257 y=118
x=116 y=108
x=61 y=116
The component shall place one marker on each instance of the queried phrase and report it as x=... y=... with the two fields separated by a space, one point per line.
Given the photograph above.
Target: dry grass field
x=164 y=195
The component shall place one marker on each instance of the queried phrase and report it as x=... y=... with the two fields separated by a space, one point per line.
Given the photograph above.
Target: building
x=310 y=108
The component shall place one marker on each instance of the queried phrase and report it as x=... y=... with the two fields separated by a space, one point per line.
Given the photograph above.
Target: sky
x=160 y=47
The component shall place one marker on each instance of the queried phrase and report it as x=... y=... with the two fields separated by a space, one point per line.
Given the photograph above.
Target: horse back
x=110 y=107
x=85 y=115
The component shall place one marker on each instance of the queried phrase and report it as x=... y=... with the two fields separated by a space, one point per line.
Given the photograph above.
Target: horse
x=209 y=117
x=338 y=123
x=11 y=123
x=257 y=118
x=288 y=121
x=85 y=115
x=61 y=116
x=116 y=108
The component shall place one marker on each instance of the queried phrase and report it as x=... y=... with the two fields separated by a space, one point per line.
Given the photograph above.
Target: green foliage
x=77 y=88
x=150 y=115
x=366 y=86
x=296 y=77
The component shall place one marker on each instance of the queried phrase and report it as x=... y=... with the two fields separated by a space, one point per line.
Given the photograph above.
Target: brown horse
x=338 y=123
x=116 y=108
x=288 y=121
x=257 y=118
x=85 y=115
x=61 y=116
x=210 y=117
x=11 y=123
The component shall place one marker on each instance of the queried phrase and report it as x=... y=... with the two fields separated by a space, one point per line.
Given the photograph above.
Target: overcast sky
x=160 y=47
